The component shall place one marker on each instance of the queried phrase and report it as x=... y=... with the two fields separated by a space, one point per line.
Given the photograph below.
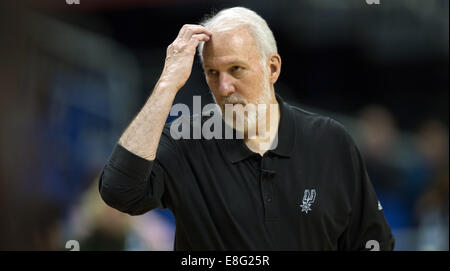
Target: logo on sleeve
x=379 y=206
x=309 y=197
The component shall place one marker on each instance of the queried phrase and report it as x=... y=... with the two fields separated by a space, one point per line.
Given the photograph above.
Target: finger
x=191 y=30
x=182 y=33
x=197 y=38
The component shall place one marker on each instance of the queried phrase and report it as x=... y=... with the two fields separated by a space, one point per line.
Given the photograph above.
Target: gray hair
x=231 y=18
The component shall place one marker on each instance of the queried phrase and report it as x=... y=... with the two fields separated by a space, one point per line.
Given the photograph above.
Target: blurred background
x=73 y=76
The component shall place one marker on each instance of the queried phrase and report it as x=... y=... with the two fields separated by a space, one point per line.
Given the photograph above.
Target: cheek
x=213 y=88
x=211 y=84
x=253 y=85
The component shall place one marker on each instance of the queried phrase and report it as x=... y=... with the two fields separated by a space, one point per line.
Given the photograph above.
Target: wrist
x=166 y=86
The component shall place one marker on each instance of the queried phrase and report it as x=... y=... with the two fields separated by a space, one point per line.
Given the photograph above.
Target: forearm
x=144 y=132
x=126 y=183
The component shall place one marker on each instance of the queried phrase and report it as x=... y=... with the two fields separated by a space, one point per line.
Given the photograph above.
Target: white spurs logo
x=309 y=197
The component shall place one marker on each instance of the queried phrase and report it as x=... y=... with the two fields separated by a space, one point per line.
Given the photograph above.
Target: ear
x=274 y=63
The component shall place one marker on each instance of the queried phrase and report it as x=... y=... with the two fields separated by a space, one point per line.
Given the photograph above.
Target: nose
x=226 y=86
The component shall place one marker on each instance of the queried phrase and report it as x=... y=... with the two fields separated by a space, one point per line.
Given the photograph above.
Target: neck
x=265 y=135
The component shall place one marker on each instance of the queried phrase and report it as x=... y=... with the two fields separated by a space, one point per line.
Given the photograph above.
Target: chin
x=249 y=125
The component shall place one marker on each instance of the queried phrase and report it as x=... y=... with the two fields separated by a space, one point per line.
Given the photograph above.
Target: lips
x=235 y=103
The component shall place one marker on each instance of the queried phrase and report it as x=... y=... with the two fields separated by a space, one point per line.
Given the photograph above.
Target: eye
x=236 y=68
x=212 y=72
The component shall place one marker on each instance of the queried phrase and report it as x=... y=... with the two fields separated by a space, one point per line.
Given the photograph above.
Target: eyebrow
x=230 y=63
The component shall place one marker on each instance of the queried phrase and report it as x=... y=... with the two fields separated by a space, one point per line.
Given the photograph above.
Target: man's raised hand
x=180 y=55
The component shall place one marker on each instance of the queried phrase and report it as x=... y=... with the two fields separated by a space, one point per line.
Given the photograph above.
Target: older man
x=308 y=191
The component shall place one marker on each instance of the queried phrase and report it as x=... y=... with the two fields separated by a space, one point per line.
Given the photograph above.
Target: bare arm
x=143 y=134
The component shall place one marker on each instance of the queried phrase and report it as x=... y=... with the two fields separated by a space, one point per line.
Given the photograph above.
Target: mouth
x=235 y=103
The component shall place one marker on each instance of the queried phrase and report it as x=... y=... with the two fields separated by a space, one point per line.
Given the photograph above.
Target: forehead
x=227 y=47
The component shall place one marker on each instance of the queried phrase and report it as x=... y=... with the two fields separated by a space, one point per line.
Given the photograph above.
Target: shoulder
x=324 y=137
x=185 y=126
x=317 y=125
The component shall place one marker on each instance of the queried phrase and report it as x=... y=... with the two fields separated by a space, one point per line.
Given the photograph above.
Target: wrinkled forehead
x=231 y=45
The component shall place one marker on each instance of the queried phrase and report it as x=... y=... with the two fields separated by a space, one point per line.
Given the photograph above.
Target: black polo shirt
x=311 y=192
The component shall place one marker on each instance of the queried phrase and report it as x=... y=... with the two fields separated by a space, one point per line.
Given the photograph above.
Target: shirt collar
x=236 y=150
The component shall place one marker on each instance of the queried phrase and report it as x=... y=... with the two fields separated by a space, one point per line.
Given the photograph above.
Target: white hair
x=231 y=18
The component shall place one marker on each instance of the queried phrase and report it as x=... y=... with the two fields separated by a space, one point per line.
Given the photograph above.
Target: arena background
x=73 y=76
